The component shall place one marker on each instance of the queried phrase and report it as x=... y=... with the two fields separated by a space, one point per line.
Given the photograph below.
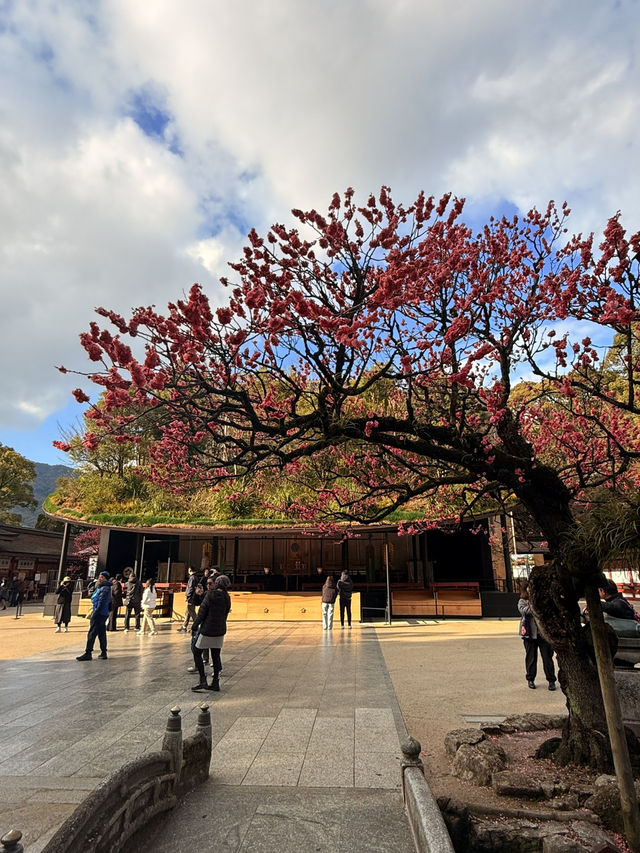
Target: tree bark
x=557 y=612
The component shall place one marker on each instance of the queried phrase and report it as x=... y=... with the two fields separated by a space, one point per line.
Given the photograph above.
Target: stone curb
x=429 y=830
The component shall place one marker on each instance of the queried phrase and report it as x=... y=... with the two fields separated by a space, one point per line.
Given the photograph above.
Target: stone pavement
x=305 y=736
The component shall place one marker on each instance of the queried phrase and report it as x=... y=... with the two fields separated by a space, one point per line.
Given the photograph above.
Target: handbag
x=525 y=627
x=194 y=639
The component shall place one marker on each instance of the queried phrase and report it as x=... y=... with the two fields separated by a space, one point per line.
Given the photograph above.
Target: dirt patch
x=520 y=748
x=567 y=787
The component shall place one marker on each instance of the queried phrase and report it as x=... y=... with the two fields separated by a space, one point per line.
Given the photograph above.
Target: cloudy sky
x=139 y=142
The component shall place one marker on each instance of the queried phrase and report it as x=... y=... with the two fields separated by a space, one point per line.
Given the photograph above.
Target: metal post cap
x=11 y=840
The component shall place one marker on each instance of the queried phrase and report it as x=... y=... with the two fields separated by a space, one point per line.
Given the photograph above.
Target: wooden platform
x=440 y=600
x=284 y=607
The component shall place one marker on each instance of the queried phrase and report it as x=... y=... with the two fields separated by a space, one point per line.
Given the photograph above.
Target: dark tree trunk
x=585 y=739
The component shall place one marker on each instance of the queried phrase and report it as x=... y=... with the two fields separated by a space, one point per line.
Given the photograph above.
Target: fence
x=125 y=802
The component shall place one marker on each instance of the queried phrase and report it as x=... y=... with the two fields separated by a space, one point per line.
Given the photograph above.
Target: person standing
x=62 y=611
x=197 y=601
x=329 y=595
x=4 y=594
x=101 y=599
x=132 y=599
x=190 y=595
x=534 y=642
x=345 y=591
x=613 y=603
x=15 y=585
x=149 y=601
x=211 y=626
x=22 y=591
x=116 y=602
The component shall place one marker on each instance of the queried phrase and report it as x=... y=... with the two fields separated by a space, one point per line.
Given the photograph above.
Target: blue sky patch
x=148 y=109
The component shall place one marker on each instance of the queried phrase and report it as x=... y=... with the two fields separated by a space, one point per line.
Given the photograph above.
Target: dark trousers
x=113 y=618
x=199 y=662
x=97 y=628
x=345 y=604
x=190 y=614
x=132 y=608
x=531 y=649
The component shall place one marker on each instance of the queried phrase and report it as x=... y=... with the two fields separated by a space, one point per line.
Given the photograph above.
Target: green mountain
x=44 y=483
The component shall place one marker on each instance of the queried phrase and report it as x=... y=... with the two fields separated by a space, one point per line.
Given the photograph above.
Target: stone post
x=204 y=723
x=11 y=842
x=173 y=740
x=410 y=757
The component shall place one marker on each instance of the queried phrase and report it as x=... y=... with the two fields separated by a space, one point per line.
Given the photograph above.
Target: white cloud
x=264 y=106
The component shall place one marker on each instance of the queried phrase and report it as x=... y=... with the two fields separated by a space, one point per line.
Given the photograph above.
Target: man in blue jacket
x=101 y=599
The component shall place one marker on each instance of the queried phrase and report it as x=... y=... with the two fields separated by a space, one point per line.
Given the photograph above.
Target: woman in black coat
x=63 y=605
x=211 y=625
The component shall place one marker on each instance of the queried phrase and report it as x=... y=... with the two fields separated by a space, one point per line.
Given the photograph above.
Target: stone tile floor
x=307 y=716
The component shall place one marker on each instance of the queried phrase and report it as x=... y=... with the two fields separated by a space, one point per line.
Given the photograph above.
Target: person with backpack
x=101 y=599
x=345 y=591
x=132 y=599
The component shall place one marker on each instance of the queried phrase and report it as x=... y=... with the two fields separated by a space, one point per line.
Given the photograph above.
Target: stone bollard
x=411 y=749
x=410 y=758
x=204 y=723
x=426 y=821
x=11 y=842
x=173 y=740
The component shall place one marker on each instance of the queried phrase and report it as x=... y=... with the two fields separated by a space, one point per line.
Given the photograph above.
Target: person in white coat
x=149 y=600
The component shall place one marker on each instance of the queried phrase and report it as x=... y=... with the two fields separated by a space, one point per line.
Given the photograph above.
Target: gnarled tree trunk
x=585 y=740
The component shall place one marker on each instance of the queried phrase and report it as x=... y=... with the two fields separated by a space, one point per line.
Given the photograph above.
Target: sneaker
x=140 y=633
x=151 y=633
x=85 y=656
x=532 y=684
x=58 y=629
x=192 y=669
x=552 y=685
x=103 y=656
x=181 y=629
x=66 y=629
x=125 y=630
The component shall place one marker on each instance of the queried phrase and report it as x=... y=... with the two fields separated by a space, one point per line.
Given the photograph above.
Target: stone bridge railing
x=125 y=802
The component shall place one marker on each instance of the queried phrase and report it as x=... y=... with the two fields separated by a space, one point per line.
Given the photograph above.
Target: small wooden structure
x=440 y=599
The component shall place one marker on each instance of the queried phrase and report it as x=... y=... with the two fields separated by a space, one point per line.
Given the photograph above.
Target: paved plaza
x=306 y=725
x=306 y=729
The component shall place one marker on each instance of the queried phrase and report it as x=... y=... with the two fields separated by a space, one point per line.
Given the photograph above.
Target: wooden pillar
x=103 y=550
x=236 y=542
x=63 y=554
